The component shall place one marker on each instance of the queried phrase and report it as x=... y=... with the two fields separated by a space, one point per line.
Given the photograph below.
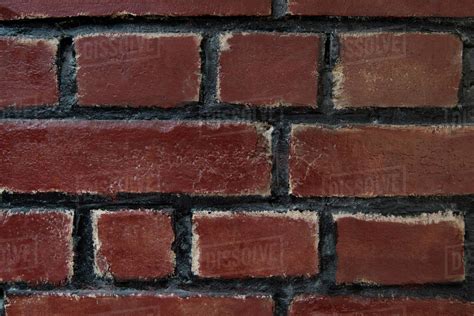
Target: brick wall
x=237 y=157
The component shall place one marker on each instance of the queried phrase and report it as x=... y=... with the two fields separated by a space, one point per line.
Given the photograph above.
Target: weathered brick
x=20 y=9
x=250 y=63
x=342 y=305
x=28 y=72
x=138 y=70
x=38 y=303
x=381 y=160
x=133 y=244
x=386 y=8
x=251 y=244
x=108 y=157
x=400 y=250
x=36 y=246
x=398 y=70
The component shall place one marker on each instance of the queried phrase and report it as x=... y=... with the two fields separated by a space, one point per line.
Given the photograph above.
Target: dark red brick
x=398 y=70
x=389 y=8
x=20 y=9
x=36 y=246
x=133 y=244
x=138 y=70
x=269 y=69
x=381 y=160
x=399 y=250
x=28 y=72
x=136 y=304
x=341 y=305
x=247 y=244
x=108 y=157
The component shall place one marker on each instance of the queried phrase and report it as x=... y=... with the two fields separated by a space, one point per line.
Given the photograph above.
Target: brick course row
x=164 y=70
x=132 y=245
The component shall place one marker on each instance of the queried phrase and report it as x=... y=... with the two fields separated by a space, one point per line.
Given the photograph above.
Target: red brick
x=15 y=9
x=341 y=305
x=269 y=69
x=36 y=246
x=133 y=244
x=399 y=250
x=136 y=304
x=108 y=157
x=381 y=160
x=138 y=70
x=398 y=70
x=28 y=72
x=247 y=244
x=399 y=8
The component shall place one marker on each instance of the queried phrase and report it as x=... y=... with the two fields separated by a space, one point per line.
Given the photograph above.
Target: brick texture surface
x=14 y=9
x=383 y=8
x=36 y=246
x=138 y=304
x=400 y=250
x=138 y=70
x=380 y=161
x=28 y=72
x=320 y=305
x=398 y=70
x=240 y=245
x=250 y=63
x=156 y=156
x=133 y=244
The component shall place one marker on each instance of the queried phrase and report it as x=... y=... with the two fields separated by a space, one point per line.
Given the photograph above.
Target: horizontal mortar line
x=250 y=287
x=180 y=201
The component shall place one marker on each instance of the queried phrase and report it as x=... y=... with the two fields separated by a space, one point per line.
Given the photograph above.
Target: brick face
x=398 y=70
x=138 y=70
x=240 y=245
x=28 y=72
x=36 y=246
x=138 y=304
x=13 y=9
x=372 y=161
x=399 y=250
x=108 y=157
x=133 y=244
x=250 y=62
x=383 y=8
x=340 y=305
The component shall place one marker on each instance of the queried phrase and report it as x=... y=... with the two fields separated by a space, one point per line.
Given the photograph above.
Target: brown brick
x=36 y=246
x=133 y=244
x=399 y=250
x=398 y=70
x=108 y=157
x=20 y=9
x=28 y=72
x=269 y=69
x=381 y=160
x=341 y=305
x=388 y=8
x=138 y=70
x=247 y=244
x=38 y=303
